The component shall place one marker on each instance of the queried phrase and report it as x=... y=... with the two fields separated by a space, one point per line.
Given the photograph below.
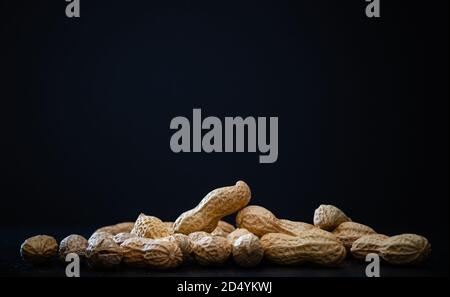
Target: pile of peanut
x=199 y=235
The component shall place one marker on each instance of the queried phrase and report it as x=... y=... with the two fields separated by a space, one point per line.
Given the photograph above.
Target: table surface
x=11 y=264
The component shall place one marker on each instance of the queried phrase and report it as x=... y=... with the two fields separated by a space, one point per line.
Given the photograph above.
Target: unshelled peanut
x=349 y=232
x=119 y=238
x=194 y=236
x=367 y=244
x=99 y=234
x=184 y=243
x=237 y=233
x=169 y=225
x=211 y=250
x=39 y=249
x=74 y=243
x=117 y=228
x=152 y=253
x=223 y=229
x=312 y=246
x=213 y=207
x=247 y=250
x=150 y=227
x=103 y=251
x=405 y=249
x=328 y=217
x=260 y=221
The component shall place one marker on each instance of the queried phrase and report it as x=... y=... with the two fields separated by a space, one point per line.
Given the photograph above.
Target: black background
x=362 y=104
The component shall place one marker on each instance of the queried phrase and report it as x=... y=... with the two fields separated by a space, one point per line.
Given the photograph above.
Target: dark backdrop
x=362 y=104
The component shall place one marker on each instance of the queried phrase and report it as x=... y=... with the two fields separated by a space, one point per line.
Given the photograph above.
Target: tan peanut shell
x=133 y=251
x=237 y=233
x=74 y=243
x=184 y=243
x=295 y=226
x=103 y=251
x=211 y=250
x=321 y=232
x=99 y=234
x=169 y=225
x=260 y=221
x=405 y=249
x=367 y=244
x=150 y=227
x=194 y=236
x=119 y=238
x=39 y=249
x=117 y=228
x=328 y=217
x=349 y=232
x=247 y=250
x=152 y=253
x=214 y=206
x=219 y=232
x=223 y=229
x=313 y=247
